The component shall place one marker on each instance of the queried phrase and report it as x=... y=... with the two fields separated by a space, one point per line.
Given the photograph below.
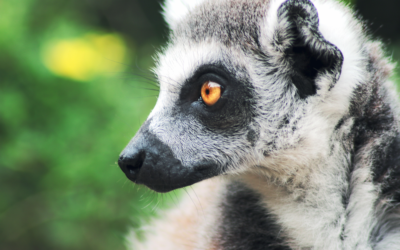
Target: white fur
x=311 y=156
x=340 y=28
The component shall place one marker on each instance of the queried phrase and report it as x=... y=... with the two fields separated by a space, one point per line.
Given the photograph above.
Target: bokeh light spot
x=86 y=57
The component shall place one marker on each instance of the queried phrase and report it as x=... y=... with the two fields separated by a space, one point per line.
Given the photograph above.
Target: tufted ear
x=305 y=50
x=176 y=10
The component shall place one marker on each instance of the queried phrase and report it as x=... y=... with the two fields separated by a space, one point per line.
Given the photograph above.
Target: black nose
x=149 y=161
x=132 y=164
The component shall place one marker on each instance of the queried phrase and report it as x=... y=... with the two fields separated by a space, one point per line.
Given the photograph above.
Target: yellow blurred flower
x=86 y=57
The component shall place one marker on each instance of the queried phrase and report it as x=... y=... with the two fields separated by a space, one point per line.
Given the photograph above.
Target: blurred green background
x=75 y=86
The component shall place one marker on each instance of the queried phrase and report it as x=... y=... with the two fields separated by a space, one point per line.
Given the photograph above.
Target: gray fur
x=316 y=149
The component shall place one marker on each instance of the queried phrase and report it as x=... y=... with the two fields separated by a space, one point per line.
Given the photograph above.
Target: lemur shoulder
x=283 y=112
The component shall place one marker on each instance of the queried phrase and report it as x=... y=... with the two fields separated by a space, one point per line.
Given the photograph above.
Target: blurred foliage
x=69 y=103
x=72 y=93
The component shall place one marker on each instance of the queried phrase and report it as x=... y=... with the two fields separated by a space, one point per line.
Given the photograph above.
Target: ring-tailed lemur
x=286 y=107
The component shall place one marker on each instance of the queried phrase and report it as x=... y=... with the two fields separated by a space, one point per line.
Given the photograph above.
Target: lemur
x=283 y=112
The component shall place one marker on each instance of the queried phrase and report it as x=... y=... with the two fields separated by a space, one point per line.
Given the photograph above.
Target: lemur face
x=201 y=125
x=232 y=92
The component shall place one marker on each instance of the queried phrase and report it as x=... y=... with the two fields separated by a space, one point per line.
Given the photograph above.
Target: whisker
x=133 y=76
x=198 y=200
x=197 y=209
x=150 y=89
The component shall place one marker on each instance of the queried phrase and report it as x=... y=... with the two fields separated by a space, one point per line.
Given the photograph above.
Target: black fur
x=375 y=126
x=389 y=173
x=309 y=56
x=374 y=120
x=246 y=224
x=252 y=137
x=234 y=110
x=339 y=124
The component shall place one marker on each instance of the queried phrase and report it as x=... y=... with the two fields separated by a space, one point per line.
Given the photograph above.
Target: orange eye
x=210 y=92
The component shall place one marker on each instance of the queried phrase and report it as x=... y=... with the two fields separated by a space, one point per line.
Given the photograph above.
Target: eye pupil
x=210 y=92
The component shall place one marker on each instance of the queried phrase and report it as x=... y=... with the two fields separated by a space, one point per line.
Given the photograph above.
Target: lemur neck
x=356 y=174
x=307 y=211
x=311 y=207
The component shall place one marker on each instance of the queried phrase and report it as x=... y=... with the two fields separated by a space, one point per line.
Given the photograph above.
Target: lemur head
x=241 y=84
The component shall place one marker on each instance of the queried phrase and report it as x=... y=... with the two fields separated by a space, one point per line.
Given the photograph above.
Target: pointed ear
x=305 y=50
x=176 y=10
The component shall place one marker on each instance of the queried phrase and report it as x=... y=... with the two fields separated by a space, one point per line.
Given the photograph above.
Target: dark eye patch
x=232 y=112
x=190 y=91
